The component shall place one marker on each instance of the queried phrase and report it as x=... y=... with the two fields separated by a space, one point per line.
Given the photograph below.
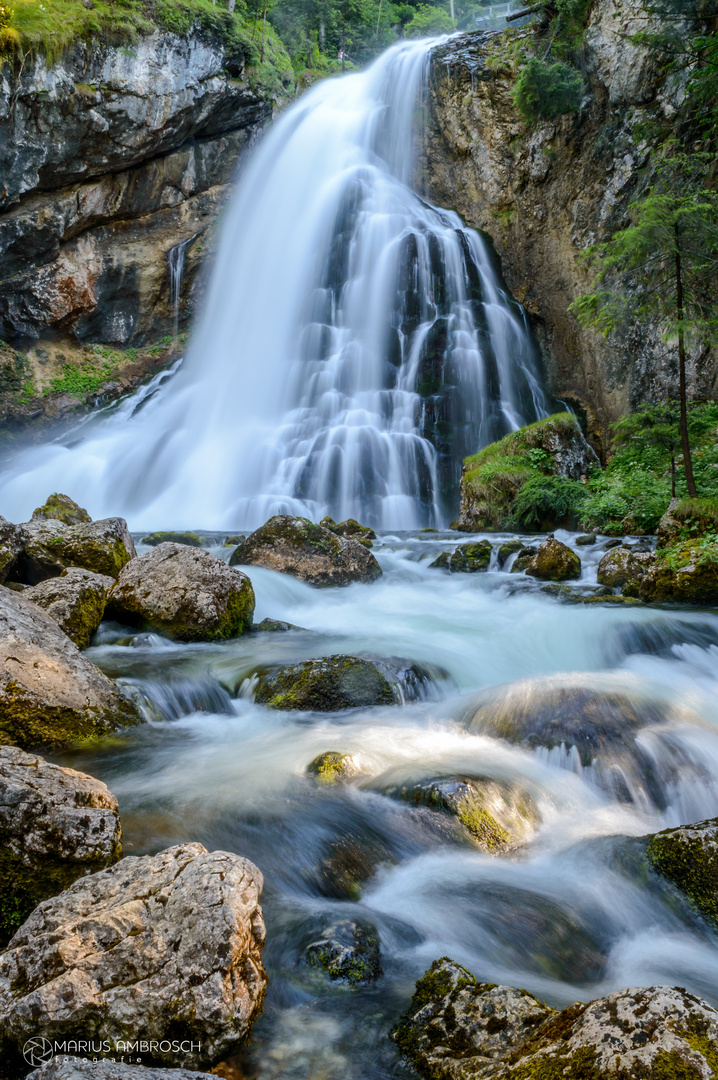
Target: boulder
x=55 y=825
x=688 y=857
x=72 y=1068
x=189 y=538
x=61 y=508
x=554 y=561
x=183 y=592
x=621 y=566
x=296 y=546
x=510 y=547
x=587 y=540
x=275 y=626
x=498 y=814
x=164 y=947
x=466 y=559
x=49 y=546
x=350 y=527
x=332 y=767
x=349 y=951
x=523 y=559
x=49 y=693
x=326 y=684
x=594 y=723
x=11 y=546
x=456 y=1028
x=75 y=600
x=686 y=573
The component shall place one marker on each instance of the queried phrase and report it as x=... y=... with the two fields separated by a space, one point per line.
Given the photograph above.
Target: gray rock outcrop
x=43 y=548
x=75 y=600
x=72 y=1068
x=161 y=947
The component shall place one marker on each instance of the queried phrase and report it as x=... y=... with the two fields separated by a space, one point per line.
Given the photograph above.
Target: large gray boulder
x=72 y=1068
x=621 y=566
x=164 y=947
x=55 y=826
x=49 y=693
x=186 y=593
x=44 y=547
x=296 y=546
x=457 y=1028
x=75 y=600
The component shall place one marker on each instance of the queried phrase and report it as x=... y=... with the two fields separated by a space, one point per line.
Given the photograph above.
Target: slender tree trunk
x=378 y=18
x=685 y=444
x=673 y=476
x=451 y=8
x=231 y=6
x=264 y=23
x=321 y=34
x=344 y=48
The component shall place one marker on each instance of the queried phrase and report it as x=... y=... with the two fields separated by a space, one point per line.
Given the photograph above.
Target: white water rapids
x=348 y=326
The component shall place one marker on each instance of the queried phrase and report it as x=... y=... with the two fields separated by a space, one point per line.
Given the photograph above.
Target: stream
x=568 y=915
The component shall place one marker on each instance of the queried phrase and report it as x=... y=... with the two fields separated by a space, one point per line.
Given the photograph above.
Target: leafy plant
x=545 y=91
x=544 y=498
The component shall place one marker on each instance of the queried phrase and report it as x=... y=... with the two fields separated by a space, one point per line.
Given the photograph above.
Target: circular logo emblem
x=37 y=1051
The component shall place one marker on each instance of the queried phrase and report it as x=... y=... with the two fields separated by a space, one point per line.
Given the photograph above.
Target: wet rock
x=510 y=547
x=688 y=857
x=188 y=538
x=49 y=693
x=55 y=825
x=271 y=626
x=685 y=573
x=350 y=527
x=350 y=861
x=621 y=566
x=327 y=684
x=456 y=1028
x=296 y=546
x=162 y=947
x=183 y=592
x=441 y=562
x=554 y=561
x=466 y=559
x=61 y=508
x=51 y=546
x=349 y=951
x=11 y=545
x=72 y=1068
x=566 y=595
x=523 y=559
x=75 y=600
x=498 y=814
x=332 y=767
x=586 y=540
x=234 y=541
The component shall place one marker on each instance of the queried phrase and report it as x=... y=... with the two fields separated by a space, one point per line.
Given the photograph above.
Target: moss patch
x=691 y=864
x=328 y=684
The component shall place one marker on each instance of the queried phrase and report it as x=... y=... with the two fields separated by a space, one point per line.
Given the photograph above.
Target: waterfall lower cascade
x=355 y=343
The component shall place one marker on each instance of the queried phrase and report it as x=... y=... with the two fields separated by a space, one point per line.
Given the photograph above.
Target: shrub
x=544 y=91
x=429 y=21
x=550 y=499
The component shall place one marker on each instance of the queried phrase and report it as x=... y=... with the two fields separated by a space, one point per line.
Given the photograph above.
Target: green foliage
x=544 y=91
x=543 y=498
x=428 y=21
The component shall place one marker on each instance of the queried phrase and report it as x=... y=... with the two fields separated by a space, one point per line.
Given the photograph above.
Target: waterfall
x=175 y=267
x=355 y=342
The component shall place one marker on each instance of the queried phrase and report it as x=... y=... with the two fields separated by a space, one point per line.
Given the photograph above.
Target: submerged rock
x=621 y=566
x=554 y=561
x=296 y=546
x=49 y=693
x=61 y=508
x=55 y=825
x=161 y=947
x=75 y=600
x=273 y=626
x=327 y=684
x=349 y=950
x=688 y=857
x=586 y=540
x=498 y=814
x=332 y=767
x=183 y=592
x=189 y=538
x=44 y=548
x=466 y=559
x=457 y=1028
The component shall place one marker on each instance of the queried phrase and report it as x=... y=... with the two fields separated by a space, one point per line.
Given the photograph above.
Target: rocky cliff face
x=545 y=194
x=111 y=157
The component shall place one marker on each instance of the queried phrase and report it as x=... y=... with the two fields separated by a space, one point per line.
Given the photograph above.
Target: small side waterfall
x=175 y=267
x=354 y=346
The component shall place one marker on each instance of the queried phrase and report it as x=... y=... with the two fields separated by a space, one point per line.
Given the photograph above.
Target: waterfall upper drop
x=354 y=346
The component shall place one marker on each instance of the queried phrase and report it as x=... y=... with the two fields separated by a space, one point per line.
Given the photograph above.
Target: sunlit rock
x=75 y=600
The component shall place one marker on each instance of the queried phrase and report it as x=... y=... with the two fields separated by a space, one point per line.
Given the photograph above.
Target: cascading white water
x=355 y=342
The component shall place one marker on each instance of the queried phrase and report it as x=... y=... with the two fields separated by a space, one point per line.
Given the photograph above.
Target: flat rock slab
x=72 y=1068
x=49 y=693
x=184 y=592
x=162 y=947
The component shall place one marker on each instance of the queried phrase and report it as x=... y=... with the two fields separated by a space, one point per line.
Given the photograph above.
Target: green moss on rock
x=61 y=508
x=189 y=538
x=688 y=857
x=327 y=684
x=331 y=767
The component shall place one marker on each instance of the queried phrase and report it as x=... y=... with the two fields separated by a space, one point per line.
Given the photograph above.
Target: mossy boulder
x=350 y=527
x=621 y=567
x=12 y=541
x=586 y=540
x=186 y=593
x=688 y=857
x=687 y=518
x=554 y=561
x=55 y=826
x=47 y=547
x=497 y=814
x=466 y=558
x=525 y=554
x=50 y=695
x=348 y=951
x=75 y=600
x=509 y=547
x=326 y=684
x=310 y=552
x=61 y=508
x=189 y=538
x=686 y=572
x=492 y=479
x=456 y=1028
x=332 y=767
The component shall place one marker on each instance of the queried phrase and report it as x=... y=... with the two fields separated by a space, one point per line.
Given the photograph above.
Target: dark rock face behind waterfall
x=545 y=193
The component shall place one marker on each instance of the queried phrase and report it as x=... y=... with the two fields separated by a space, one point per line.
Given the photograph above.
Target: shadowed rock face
x=457 y=1028
x=160 y=947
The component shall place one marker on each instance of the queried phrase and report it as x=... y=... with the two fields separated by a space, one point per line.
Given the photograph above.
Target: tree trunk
x=673 y=476
x=344 y=48
x=321 y=34
x=685 y=444
x=264 y=23
x=451 y=7
x=231 y=6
